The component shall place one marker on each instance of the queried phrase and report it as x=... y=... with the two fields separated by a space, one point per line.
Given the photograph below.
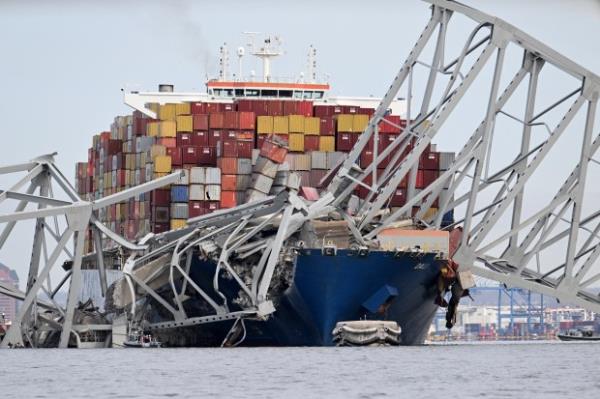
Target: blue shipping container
x=179 y=193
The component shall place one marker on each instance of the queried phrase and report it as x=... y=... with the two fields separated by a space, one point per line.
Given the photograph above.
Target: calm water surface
x=516 y=370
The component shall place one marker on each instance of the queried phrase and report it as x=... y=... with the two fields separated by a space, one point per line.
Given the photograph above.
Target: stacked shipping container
x=231 y=154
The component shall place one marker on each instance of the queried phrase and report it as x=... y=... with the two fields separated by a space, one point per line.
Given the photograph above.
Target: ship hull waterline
x=324 y=290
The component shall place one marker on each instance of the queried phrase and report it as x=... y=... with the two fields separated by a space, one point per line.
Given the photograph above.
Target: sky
x=63 y=63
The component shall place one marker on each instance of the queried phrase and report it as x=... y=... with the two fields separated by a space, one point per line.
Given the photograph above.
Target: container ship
x=247 y=140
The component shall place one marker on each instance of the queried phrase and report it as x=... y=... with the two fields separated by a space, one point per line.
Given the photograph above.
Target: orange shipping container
x=167 y=129
x=169 y=142
x=228 y=183
x=217 y=120
x=228 y=165
x=228 y=199
x=247 y=120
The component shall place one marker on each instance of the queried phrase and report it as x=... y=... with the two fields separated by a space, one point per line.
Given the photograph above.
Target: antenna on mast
x=269 y=49
x=312 y=64
x=224 y=62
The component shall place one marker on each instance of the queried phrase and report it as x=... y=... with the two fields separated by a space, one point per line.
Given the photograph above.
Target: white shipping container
x=243 y=182
x=197 y=175
x=281 y=178
x=253 y=195
x=197 y=192
x=261 y=183
x=244 y=166
x=255 y=154
x=212 y=176
x=212 y=192
x=446 y=159
x=266 y=167
x=293 y=181
x=301 y=162
x=184 y=180
x=179 y=210
x=333 y=158
x=318 y=160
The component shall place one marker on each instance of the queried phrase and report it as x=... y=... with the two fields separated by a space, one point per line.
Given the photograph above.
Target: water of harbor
x=496 y=370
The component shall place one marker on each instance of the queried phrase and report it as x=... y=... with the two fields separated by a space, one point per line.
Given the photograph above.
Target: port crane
x=549 y=245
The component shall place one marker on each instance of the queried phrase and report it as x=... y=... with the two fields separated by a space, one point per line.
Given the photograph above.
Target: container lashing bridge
x=547 y=244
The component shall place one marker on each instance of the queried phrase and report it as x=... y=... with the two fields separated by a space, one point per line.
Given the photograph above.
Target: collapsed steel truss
x=40 y=174
x=262 y=229
x=518 y=263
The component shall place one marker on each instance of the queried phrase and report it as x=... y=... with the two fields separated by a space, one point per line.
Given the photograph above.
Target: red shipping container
x=214 y=136
x=430 y=161
x=104 y=136
x=305 y=108
x=247 y=120
x=176 y=155
x=158 y=228
x=366 y=111
x=190 y=155
x=398 y=198
x=351 y=109
x=161 y=197
x=216 y=120
x=228 y=182
x=230 y=120
x=139 y=125
x=228 y=199
x=290 y=107
x=387 y=128
x=168 y=142
x=316 y=176
x=327 y=127
x=244 y=148
x=207 y=156
x=184 y=139
x=229 y=135
x=200 y=138
x=323 y=110
x=275 y=107
x=429 y=176
x=345 y=141
x=366 y=158
x=195 y=209
x=245 y=105
x=311 y=143
x=211 y=206
x=198 y=108
x=228 y=148
x=200 y=122
x=228 y=166
x=420 y=183
x=273 y=151
x=112 y=147
x=245 y=135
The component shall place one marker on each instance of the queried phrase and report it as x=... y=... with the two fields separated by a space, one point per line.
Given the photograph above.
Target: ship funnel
x=166 y=88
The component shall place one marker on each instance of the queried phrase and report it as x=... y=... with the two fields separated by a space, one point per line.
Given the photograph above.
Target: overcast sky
x=63 y=63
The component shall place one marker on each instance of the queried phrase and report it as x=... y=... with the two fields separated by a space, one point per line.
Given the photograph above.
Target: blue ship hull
x=326 y=290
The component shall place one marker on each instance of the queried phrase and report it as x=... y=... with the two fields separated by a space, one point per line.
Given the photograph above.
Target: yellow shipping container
x=152 y=129
x=281 y=125
x=185 y=123
x=327 y=143
x=430 y=213
x=312 y=125
x=157 y=175
x=182 y=109
x=167 y=129
x=162 y=164
x=359 y=123
x=296 y=123
x=153 y=107
x=157 y=150
x=264 y=125
x=296 y=142
x=345 y=123
x=178 y=224
x=166 y=112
